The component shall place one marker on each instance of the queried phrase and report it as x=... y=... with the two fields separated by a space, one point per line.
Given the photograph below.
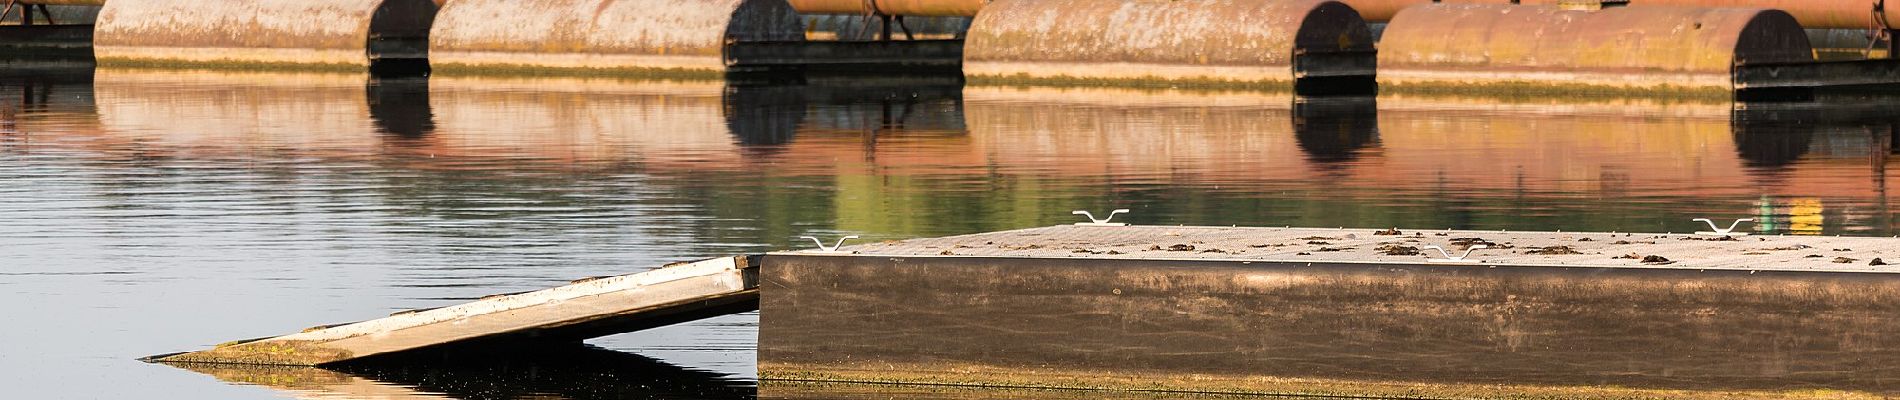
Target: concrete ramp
x=347 y=34
x=588 y=308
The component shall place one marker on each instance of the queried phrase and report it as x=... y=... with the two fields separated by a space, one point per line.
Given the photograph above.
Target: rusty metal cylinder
x=1813 y=14
x=921 y=8
x=1249 y=42
x=1475 y=46
x=65 y=2
x=349 y=33
x=657 y=36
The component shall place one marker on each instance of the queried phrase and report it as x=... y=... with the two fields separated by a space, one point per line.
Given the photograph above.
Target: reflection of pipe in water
x=400 y=107
x=1335 y=130
x=568 y=371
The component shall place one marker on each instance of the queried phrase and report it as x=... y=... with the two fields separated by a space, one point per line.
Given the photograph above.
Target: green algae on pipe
x=619 y=35
x=1631 y=48
x=1249 y=43
x=268 y=32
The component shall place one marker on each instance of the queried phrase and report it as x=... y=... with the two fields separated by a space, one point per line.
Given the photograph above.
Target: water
x=144 y=212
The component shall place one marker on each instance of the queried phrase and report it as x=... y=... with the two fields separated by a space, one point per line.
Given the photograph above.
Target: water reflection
x=400 y=107
x=555 y=372
x=318 y=198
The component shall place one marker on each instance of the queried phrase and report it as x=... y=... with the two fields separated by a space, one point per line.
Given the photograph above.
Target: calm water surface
x=144 y=212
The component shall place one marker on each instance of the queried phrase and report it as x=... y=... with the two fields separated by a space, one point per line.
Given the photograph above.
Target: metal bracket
x=1102 y=221
x=1459 y=259
x=1718 y=231
x=832 y=249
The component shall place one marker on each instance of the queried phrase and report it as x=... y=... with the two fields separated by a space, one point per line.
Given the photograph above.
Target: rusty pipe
x=920 y=8
x=1813 y=14
x=1466 y=46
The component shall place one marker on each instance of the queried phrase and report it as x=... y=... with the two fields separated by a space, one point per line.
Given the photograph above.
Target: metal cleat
x=832 y=249
x=1459 y=259
x=1719 y=231
x=1102 y=221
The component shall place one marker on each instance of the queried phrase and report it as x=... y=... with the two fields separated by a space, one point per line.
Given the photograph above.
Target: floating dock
x=586 y=309
x=1356 y=312
x=1303 y=311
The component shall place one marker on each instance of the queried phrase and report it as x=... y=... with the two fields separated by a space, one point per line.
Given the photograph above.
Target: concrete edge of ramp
x=583 y=309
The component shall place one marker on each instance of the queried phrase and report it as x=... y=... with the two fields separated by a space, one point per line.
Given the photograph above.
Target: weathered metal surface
x=644 y=35
x=866 y=28
x=574 y=312
x=1483 y=47
x=923 y=8
x=328 y=32
x=1844 y=14
x=1828 y=14
x=1245 y=311
x=1208 y=41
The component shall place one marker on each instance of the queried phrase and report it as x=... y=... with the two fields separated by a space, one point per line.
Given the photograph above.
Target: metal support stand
x=887 y=27
x=24 y=16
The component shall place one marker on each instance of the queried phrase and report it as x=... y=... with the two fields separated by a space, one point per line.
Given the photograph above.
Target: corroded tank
x=1219 y=42
x=650 y=36
x=340 y=33
x=1491 y=47
x=1831 y=14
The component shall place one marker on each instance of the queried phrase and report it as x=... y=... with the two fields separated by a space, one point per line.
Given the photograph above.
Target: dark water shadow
x=400 y=107
x=1332 y=131
x=574 y=371
x=766 y=112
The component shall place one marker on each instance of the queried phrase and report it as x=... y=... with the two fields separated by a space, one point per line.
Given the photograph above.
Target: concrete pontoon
x=1351 y=312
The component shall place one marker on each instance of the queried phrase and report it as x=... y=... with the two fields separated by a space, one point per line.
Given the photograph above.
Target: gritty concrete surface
x=1408 y=246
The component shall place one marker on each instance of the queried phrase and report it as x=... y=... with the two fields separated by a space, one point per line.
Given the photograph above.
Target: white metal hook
x=1718 y=231
x=1101 y=221
x=822 y=248
x=1449 y=258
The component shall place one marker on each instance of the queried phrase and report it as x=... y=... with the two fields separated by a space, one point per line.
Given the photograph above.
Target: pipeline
x=644 y=36
x=1246 y=42
x=1447 y=46
x=1813 y=14
x=345 y=33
